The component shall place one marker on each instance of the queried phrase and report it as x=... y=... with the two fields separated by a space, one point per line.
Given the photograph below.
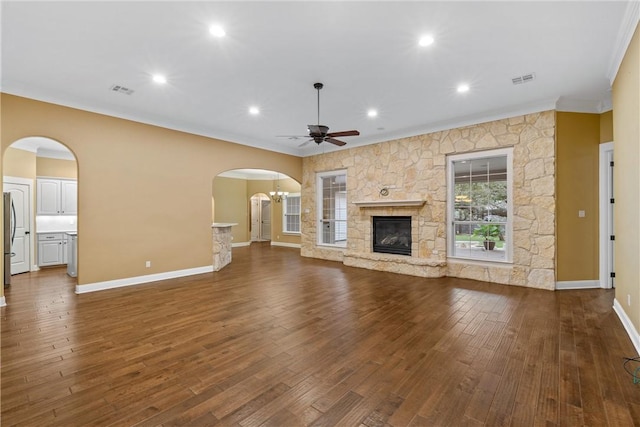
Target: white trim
x=138 y=280
x=287 y=245
x=603 y=229
x=319 y=206
x=285 y=214
x=577 y=284
x=628 y=325
x=3 y=302
x=625 y=34
x=240 y=244
x=584 y=106
x=450 y=158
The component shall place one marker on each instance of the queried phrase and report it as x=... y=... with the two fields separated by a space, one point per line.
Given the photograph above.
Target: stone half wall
x=415 y=169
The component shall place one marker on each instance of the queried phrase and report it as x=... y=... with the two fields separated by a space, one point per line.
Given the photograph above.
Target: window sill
x=291 y=233
x=475 y=261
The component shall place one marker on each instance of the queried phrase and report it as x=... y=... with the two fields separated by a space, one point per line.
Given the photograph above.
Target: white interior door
x=255 y=218
x=21 y=234
x=265 y=213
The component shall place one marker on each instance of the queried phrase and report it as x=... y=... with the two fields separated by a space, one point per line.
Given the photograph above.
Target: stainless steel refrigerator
x=9 y=221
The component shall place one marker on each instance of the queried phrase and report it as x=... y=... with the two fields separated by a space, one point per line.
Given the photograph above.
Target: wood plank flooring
x=278 y=340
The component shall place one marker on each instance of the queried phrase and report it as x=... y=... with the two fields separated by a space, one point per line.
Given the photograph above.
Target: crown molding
x=627 y=28
x=584 y=106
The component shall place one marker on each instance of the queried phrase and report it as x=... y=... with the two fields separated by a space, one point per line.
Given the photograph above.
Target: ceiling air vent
x=121 y=89
x=523 y=79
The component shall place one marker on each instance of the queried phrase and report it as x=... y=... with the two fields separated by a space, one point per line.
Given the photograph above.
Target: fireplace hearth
x=392 y=234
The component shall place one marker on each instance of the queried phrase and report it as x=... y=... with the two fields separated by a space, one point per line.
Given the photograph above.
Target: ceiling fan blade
x=344 y=133
x=305 y=143
x=292 y=136
x=335 y=141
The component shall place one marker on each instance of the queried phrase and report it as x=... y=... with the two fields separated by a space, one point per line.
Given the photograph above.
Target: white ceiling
x=366 y=54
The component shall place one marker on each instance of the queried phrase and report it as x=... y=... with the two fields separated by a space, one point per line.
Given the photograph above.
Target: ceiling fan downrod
x=318 y=86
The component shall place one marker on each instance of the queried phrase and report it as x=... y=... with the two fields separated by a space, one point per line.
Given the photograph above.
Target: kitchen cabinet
x=57 y=196
x=52 y=249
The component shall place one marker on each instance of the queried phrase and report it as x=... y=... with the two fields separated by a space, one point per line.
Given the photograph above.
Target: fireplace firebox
x=392 y=234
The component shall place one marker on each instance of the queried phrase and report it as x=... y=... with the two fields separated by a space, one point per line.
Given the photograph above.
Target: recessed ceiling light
x=254 y=111
x=372 y=113
x=463 y=88
x=426 y=40
x=159 y=78
x=217 y=31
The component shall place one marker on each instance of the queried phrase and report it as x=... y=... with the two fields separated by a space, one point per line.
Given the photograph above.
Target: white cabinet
x=57 y=196
x=52 y=249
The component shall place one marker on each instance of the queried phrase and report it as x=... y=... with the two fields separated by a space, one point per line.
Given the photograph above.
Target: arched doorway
x=41 y=175
x=242 y=196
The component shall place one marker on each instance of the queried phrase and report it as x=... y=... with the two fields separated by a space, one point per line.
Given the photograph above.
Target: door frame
x=606 y=220
x=32 y=225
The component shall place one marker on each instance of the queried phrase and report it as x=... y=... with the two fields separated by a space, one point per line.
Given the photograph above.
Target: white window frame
x=319 y=205
x=285 y=213
x=508 y=152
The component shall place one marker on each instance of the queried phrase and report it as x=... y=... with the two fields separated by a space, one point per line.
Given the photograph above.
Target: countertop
x=223 y=224
x=55 y=231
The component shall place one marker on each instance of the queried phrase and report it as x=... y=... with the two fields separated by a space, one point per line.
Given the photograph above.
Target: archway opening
x=244 y=196
x=41 y=176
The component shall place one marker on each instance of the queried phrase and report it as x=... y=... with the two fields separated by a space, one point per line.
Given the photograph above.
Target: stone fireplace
x=391 y=234
x=412 y=171
x=402 y=238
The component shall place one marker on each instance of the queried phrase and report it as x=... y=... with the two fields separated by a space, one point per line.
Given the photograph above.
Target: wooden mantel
x=389 y=203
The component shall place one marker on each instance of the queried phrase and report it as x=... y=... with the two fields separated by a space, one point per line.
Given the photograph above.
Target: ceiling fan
x=320 y=133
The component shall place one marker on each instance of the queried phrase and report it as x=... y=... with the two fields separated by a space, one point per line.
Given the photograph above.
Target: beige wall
x=578 y=137
x=232 y=205
x=57 y=168
x=20 y=163
x=606 y=127
x=626 y=107
x=144 y=191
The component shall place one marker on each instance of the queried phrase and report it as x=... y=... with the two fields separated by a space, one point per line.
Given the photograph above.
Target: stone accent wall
x=415 y=168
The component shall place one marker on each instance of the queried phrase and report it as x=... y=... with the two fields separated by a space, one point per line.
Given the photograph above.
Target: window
x=332 y=208
x=291 y=213
x=479 y=205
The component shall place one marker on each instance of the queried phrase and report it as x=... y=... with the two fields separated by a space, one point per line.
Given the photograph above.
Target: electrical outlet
x=581 y=214
x=147 y=264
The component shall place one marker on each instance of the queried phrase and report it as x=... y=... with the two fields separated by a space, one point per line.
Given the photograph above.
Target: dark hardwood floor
x=278 y=340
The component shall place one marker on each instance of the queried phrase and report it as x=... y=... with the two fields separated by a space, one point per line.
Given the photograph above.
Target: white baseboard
x=3 y=302
x=578 y=284
x=130 y=281
x=628 y=325
x=287 y=245
x=240 y=244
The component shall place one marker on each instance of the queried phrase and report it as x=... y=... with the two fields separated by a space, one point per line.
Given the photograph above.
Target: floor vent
x=121 y=89
x=523 y=79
